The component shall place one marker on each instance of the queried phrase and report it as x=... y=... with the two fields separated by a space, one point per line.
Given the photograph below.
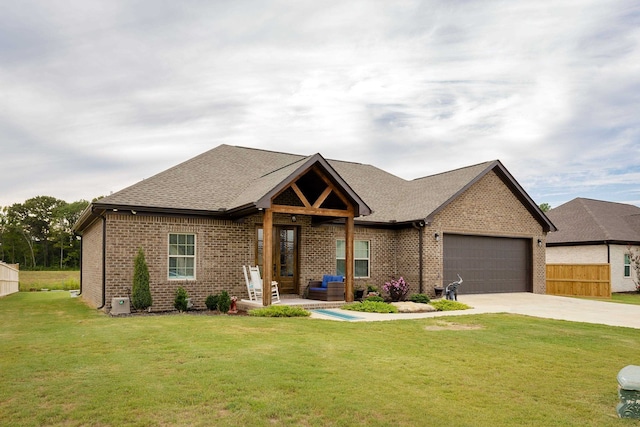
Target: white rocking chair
x=256 y=284
x=255 y=293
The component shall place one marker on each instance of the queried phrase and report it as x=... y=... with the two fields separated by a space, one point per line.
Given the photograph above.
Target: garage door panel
x=487 y=264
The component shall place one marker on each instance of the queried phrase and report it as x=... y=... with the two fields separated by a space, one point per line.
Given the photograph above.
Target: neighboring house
x=306 y=216
x=596 y=232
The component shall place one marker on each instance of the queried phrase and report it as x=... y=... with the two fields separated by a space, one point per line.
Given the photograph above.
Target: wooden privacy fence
x=9 y=276
x=588 y=280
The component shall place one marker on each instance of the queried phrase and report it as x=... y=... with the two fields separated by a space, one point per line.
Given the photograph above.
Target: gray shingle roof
x=210 y=182
x=229 y=177
x=587 y=220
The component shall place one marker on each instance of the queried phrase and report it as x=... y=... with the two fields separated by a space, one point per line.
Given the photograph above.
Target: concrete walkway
x=546 y=306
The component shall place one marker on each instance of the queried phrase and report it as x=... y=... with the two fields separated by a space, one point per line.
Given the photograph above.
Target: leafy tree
x=141 y=294
x=64 y=219
x=38 y=233
x=545 y=207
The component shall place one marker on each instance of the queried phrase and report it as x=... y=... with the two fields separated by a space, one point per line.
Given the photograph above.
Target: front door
x=285 y=257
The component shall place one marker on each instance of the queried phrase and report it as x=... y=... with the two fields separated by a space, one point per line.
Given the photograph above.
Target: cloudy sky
x=97 y=95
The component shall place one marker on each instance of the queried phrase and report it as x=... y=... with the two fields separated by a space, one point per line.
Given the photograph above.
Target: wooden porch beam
x=330 y=184
x=322 y=197
x=299 y=210
x=300 y=195
x=267 y=256
x=349 y=258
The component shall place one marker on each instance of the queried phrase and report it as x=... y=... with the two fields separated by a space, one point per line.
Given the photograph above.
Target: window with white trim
x=182 y=256
x=627 y=265
x=361 y=258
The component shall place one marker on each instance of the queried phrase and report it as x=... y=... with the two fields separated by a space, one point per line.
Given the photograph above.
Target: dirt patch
x=450 y=326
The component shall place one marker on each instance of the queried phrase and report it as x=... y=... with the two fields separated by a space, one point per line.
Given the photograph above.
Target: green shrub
x=140 y=292
x=369 y=306
x=448 y=305
x=279 y=311
x=212 y=302
x=420 y=298
x=224 y=302
x=180 y=301
x=374 y=299
x=371 y=288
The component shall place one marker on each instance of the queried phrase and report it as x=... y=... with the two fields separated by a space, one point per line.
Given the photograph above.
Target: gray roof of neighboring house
x=582 y=221
x=229 y=178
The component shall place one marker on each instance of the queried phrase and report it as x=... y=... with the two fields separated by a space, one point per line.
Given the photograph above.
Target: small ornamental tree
x=180 y=302
x=224 y=302
x=140 y=293
x=634 y=259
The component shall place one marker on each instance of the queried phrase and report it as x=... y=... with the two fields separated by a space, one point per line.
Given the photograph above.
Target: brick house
x=201 y=220
x=597 y=232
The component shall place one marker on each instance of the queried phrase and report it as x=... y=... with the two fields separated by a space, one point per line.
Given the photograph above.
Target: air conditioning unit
x=120 y=305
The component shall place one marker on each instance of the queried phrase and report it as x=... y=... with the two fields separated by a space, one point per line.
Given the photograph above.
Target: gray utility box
x=629 y=392
x=120 y=305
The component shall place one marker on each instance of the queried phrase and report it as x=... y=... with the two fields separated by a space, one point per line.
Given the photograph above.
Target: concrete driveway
x=546 y=306
x=555 y=307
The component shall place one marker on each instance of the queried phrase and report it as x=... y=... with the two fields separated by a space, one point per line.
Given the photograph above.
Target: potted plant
x=358 y=293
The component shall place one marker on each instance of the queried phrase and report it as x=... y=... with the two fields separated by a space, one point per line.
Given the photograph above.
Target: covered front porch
x=306 y=196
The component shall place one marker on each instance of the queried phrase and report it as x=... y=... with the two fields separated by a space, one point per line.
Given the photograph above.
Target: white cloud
x=101 y=95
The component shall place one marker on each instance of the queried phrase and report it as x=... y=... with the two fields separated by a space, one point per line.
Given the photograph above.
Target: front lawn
x=63 y=364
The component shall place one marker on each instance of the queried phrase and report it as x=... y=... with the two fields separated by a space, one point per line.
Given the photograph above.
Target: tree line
x=37 y=234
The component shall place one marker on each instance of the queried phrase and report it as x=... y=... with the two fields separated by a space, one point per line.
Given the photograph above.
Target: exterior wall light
x=539 y=242
x=437 y=236
x=293 y=218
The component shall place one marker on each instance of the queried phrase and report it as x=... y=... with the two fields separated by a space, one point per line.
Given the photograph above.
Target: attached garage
x=488 y=264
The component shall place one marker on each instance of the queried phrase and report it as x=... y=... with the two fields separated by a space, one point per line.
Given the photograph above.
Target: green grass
x=626 y=298
x=622 y=298
x=57 y=280
x=63 y=364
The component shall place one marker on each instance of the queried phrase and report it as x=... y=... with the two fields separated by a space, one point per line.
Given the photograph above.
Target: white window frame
x=355 y=258
x=181 y=256
x=627 y=265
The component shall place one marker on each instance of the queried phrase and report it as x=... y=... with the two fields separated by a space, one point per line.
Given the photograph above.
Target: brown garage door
x=487 y=264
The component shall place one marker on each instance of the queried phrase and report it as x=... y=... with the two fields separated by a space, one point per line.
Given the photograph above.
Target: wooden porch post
x=348 y=258
x=267 y=256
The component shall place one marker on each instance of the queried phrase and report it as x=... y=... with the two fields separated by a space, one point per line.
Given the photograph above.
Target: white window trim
x=169 y=256
x=368 y=276
x=627 y=257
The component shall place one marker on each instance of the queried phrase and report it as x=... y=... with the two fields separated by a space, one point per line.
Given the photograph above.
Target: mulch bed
x=183 y=313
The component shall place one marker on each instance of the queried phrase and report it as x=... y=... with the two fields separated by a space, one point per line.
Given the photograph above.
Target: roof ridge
x=594 y=217
x=301 y=159
x=263 y=150
x=488 y=162
x=607 y=201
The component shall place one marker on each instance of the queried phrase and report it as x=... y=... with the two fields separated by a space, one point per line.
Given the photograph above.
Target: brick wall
x=487 y=208
x=92 y=264
x=222 y=247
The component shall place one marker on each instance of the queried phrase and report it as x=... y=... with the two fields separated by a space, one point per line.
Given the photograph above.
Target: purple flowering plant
x=397 y=289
